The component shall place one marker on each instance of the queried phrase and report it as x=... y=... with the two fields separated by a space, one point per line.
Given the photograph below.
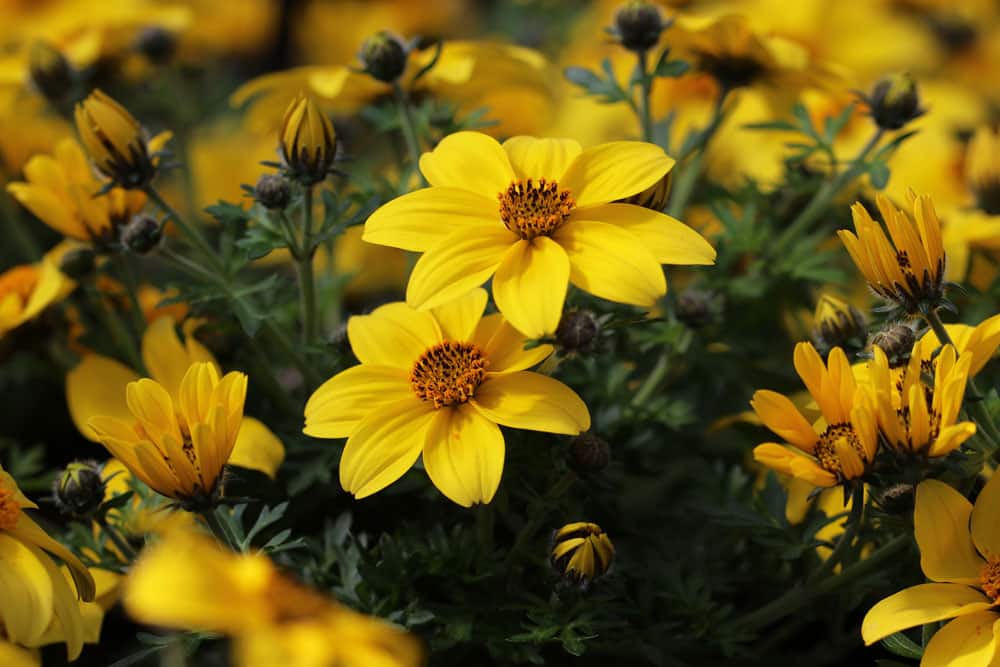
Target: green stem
x=190 y=231
x=219 y=529
x=652 y=381
x=409 y=127
x=539 y=516
x=645 y=87
x=975 y=406
x=128 y=279
x=851 y=528
x=307 y=281
x=120 y=542
x=114 y=326
x=688 y=177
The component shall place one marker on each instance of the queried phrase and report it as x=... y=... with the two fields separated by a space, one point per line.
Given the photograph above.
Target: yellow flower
x=34 y=593
x=909 y=270
x=14 y=656
x=61 y=192
x=582 y=552
x=96 y=387
x=115 y=141
x=28 y=289
x=839 y=447
x=437 y=383
x=979 y=341
x=308 y=142
x=915 y=418
x=983 y=169
x=960 y=553
x=536 y=214
x=187 y=581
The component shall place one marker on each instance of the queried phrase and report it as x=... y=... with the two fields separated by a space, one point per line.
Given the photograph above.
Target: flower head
x=308 y=142
x=28 y=289
x=983 y=169
x=582 y=552
x=894 y=101
x=384 y=56
x=536 y=214
x=838 y=448
x=115 y=141
x=908 y=270
x=437 y=384
x=638 y=25
x=838 y=324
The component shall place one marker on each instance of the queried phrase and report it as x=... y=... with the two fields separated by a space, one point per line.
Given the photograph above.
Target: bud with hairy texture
x=577 y=331
x=638 y=26
x=897 y=341
x=79 y=491
x=273 y=192
x=588 y=453
x=894 y=101
x=141 y=234
x=384 y=57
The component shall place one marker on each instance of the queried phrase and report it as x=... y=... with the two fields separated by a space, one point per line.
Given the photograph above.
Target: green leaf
x=605 y=87
x=671 y=69
x=901 y=645
x=878 y=174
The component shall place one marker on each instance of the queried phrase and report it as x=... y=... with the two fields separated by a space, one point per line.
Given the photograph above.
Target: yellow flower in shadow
x=28 y=289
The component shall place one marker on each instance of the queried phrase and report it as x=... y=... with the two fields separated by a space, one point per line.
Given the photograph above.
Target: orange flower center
x=989 y=577
x=833 y=438
x=448 y=373
x=9 y=509
x=532 y=209
x=20 y=280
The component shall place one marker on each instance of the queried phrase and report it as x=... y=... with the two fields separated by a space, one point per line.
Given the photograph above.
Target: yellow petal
x=469 y=161
x=781 y=416
x=392 y=335
x=338 y=406
x=97 y=387
x=458 y=318
x=385 y=445
x=421 y=219
x=917 y=605
x=532 y=401
x=669 y=240
x=464 y=455
x=985 y=519
x=530 y=285
x=257 y=448
x=793 y=462
x=65 y=607
x=941 y=526
x=503 y=346
x=611 y=263
x=29 y=532
x=968 y=641
x=541 y=158
x=15 y=656
x=26 y=590
x=456 y=265
x=615 y=170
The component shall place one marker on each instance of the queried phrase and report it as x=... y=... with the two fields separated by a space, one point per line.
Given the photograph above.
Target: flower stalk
x=409 y=128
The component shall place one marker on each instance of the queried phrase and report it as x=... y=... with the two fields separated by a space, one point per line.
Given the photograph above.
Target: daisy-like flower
x=535 y=215
x=28 y=289
x=437 y=384
x=839 y=447
x=960 y=553
x=979 y=341
x=916 y=418
x=909 y=270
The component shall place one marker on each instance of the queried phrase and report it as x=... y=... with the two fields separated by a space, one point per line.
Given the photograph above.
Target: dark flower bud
x=156 y=43
x=384 y=57
x=50 y=71
x=79 y=490
x=897 y=499
x=638 y=26
x=588 y=453
x=581 y=552
x=273 y=192
x=897 y=341
x=141 y=234
x=78 y=262
x=308 y=142
x=894 y=101
x=698 y=308
x=577 y=331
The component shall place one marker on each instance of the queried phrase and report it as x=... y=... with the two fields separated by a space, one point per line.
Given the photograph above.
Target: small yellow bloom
x=582 y=552
x=437 y=384
x=909 y=270
x=838 y=324
x=308 y=142
x=187 y=581
x=915 y=418
x=178 y=445
x=983 y=168
x=842 y=445
x=535 y=215
x=28 y=289
x=979 y=341
x=115 y=141
x=960 y=553
x=61 y=192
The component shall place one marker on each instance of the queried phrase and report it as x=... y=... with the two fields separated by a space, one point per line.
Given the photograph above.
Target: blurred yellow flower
x=979 y=341
x=437 y=384
x=28 y=289
x=535 y=215
x=187 y=581
x=115 y=142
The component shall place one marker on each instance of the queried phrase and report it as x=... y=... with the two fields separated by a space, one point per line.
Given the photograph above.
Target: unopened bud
x=273 y=192
x=588 y=453
x=638 y=26
x=141 y=234
x=50 y=71
x=308 y=142
x=384 y=57
x=115 y=141
x=577 y=331
x=894 y=101
x=78 y=262
x=79 y=490
x=838 y=324
x=897 y=341
x=698 y=308
x=157 y=44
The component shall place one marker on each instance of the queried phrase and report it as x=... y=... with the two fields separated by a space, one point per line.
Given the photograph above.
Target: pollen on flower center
x=9 y=509
x=532 y=209
x=448 y=373
x=20 y=280
x=831 y=444
x=989 y=577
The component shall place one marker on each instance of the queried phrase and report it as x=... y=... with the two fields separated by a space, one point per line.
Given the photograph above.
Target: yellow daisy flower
x=60 y=191
x=909 y=270
x=535 y=215
x=28 y=289
x=918 y=419
x=841 y=445
x=437 y=384
x=960 y=553
x=187 y=581
x=582 y=552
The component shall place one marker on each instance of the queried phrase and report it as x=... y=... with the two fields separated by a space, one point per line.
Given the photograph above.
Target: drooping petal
x=793 y=462
x=611 y=263
x=257 y=448
x=503 y=346
x=615 y=170
x=985 y=519
x=30 y=532
x=385 y=445
x=530 y=285
x=968 y=641
x=65 y=607
x=941 y=526
x=781 y=416
x=97 y=387
x=338 y=406
x=26 y=590
x=470 y=161
x=421 y=219
x=464 y=455
x=532 y=401
x=920 y=604
x=456 y=265
x=392 y=335
x=458 y=318
x=541 y=158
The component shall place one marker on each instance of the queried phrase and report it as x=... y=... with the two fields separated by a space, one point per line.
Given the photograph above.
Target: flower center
x=10 y=511
x=836 y=441
x=989 y=577
x=532 y=209
x=20 y=280
x=448 y=373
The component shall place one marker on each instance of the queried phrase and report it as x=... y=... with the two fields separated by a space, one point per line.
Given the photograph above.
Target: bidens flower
x=960 y=553
x=178 y=446
x=582 y=552
x=308 y=142
x=838 y=448
x=115 y=141
x=535 y=215
x=437 y=384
